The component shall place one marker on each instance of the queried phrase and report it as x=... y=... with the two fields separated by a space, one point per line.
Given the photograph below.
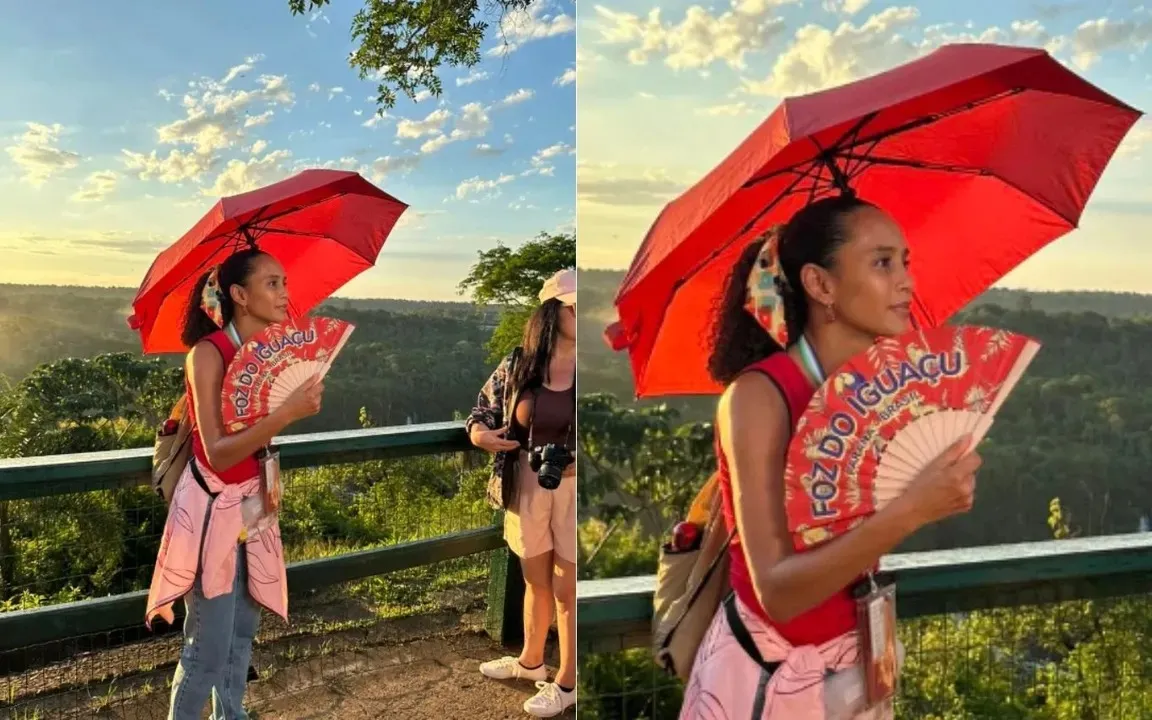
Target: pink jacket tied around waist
x=724 y=678
x=187 y=545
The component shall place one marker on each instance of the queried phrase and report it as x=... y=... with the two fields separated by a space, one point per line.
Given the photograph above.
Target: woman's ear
x=239 y=295
x=818 y=284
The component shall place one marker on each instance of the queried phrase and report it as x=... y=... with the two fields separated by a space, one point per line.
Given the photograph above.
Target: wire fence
x=91 y=544
x=1076 y=660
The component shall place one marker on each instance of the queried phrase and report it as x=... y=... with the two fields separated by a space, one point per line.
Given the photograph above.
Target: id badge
x=270 y=480
x=876 y=623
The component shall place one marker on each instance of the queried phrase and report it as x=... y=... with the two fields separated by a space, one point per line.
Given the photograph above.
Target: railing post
x=505 y=619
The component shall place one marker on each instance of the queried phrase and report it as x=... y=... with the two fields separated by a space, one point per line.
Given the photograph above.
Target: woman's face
x=567 y=321
x=265 y=294
x=871 y=285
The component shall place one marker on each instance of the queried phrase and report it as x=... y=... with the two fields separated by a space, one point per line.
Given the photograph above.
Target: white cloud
x=258 y=147
x=217 y=117
x=430 y=125
x=698 y=40
x=435 y=144
x=473 y=122
x=736 y=108
x=256 y=120
x=421 y=96
x=532 y=23
x=240 y=176
x=521 y=95
x=335 y=92
x=375 y=120
x=566 y=78
x=97 y=186
x=237 y=70
x=1094 y=37
x=37 y=154
x=473 y=76
x=1137 y=139
x=176 y=167
x=314 y=87
x=607 y=184
x=818 y=57
x=486 y=149
x=475 y=185
x=845 y=7
x=542 y=157
x=384 y=166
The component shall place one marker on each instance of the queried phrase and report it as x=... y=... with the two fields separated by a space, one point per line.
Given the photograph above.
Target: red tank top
x=836 y=615
x=247 y=468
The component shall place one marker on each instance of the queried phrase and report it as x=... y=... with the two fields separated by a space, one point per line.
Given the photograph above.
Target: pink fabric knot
x=189 y=548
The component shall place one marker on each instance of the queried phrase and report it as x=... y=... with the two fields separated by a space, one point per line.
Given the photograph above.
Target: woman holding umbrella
x=799 y=302
x=526 y=415
x=220 y=284
x=205 y=555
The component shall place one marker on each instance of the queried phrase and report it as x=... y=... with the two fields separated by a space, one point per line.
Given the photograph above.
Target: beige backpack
x=172 y=450
x=690 y=585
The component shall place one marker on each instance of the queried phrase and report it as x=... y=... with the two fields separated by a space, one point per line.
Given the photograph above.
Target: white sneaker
x=509 y=668
x=550 y=701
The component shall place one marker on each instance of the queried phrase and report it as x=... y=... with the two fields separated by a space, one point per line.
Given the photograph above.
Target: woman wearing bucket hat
x=526 y=416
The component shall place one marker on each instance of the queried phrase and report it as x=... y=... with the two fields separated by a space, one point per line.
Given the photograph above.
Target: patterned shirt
x=495 y=401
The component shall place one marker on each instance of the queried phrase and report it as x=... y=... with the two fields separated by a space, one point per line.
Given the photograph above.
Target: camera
x=549 y=462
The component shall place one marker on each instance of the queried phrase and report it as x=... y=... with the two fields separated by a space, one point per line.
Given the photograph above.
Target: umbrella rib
x=295 y=233
x=936 y=117
x=911 y=125
x=747 y=226
x=919 y=164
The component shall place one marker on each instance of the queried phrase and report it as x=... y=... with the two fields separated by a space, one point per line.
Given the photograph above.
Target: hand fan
x=887 y=413
x=275 y=362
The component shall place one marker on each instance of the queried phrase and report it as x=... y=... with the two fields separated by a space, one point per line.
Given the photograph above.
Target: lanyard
x=809 y=361
x=234 y=334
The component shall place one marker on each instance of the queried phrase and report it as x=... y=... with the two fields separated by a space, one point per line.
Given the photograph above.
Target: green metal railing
x=1056 y=629
x=27 y=481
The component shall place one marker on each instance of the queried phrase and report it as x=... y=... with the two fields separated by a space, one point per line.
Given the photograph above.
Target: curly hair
x=812 y=236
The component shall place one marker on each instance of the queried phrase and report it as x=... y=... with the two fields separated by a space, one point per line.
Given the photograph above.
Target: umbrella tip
x=615 y=336
x=134 y=322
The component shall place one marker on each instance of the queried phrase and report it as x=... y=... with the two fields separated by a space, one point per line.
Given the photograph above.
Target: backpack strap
x=200 y=480
x=744 y=638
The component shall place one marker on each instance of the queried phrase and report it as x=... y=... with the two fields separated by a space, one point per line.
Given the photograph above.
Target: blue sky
x=669 y=89
x=123 y=122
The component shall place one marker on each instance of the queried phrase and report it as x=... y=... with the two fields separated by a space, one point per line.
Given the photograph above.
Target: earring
x=831 y=311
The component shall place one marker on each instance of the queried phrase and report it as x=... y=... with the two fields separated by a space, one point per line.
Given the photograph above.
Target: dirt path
x=426 y=679
x=431 y=679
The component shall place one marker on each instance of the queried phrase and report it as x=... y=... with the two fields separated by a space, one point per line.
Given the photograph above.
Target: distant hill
x=601 y=370
x=44 y=323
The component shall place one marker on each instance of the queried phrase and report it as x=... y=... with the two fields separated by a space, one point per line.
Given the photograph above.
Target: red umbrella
x=324 y=226
x=983 y=153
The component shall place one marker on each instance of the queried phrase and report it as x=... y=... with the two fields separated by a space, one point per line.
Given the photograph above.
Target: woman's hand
x=305 y=401
x=491 y=440
x=946 y=487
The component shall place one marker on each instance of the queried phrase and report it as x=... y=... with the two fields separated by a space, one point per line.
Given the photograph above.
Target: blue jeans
x=218 y=635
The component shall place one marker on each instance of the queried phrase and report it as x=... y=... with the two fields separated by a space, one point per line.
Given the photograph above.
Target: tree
x=640 y=469
x=512 y=278
x=402 y=43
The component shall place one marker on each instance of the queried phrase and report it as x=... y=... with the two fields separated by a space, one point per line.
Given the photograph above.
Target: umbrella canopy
x=324 y=226
x=983 y=153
